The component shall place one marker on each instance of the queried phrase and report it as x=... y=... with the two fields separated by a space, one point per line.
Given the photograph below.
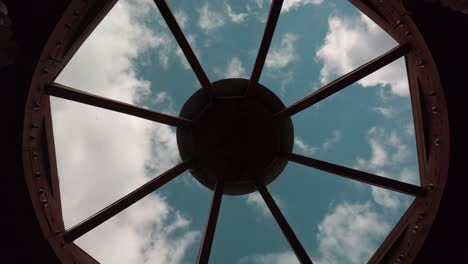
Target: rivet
x=58 y=43
x=56 y=231
x=45 y=71
x=35 y=155
x=407 y=33
x=414 y=229
x=37 y=105
x=421 y=216
x=430 y=186
x=37 y=174
x=400 y=257
x=420 y=64
x=68 y=26
x=43 y=198
x=437 y=141
x=435 y=110
x=432 y=93
x=398 y=23
x=33 y=137
x=50 y=58
x=34 y=125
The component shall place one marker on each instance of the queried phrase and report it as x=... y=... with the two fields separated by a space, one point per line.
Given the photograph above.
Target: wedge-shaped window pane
x=132 y=57
x=246 y=231
x=346 y=224
x=153 y=230
x=103 y=155
x=225 y=35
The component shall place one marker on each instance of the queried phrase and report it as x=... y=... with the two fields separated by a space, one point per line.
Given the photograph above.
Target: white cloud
x=255 y=199
x=208 y=19
x=388 y=112
x=326 y=145
x=234 y=69
x=286 y=77
x=238 y=18
x=402 y=150
x=379 y=156
x=283 y=54
x=331 y=141
x=387 y=149
x=410 y=176
x=388 y=158
x=180 y=54
x=182 y=18
x=162 y=97
x=286 y=257
x=391 y=199
x=350 y=234
x=304 y=147
x=409 y=130
x=161 y=39
x=385 y=197
x=259 y=3
x=103 y=155
x=353 y=41
x=290 y=5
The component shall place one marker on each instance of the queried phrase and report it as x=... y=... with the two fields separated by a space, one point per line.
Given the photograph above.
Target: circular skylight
x=239 y=132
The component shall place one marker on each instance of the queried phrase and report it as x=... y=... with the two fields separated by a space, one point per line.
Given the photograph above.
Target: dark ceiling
x=445 y=31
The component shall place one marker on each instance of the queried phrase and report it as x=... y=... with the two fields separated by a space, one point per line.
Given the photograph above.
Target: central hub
x=235 y=138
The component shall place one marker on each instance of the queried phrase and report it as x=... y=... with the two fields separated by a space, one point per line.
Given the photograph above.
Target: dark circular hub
x=235 y=138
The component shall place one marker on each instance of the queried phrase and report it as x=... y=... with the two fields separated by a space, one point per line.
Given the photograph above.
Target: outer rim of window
x=428 y=104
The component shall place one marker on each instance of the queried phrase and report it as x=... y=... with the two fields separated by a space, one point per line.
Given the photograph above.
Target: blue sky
x=132 y=57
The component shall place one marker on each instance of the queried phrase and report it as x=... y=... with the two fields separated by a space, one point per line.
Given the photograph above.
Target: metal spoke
x=273 y=16
x=205 y=247
x=296 y=246
x=184 y=45
x=357 y=175
x=69 y=93
x=120 y=205
x=346 y=80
